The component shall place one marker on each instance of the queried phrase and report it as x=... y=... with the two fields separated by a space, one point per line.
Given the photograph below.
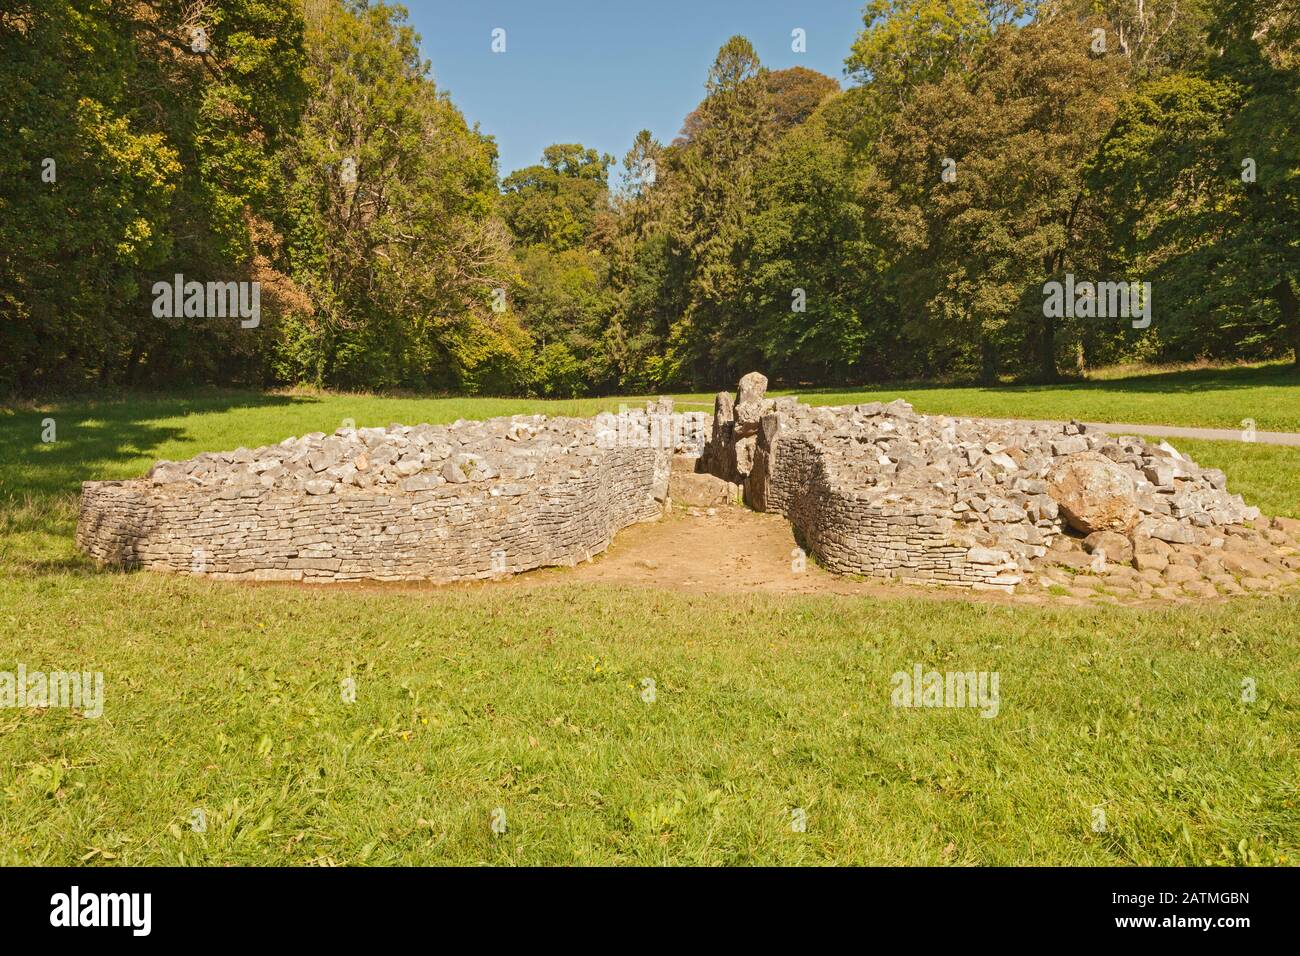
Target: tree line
x=903 y=224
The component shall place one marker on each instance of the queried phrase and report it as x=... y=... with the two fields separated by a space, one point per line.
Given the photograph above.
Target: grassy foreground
x=227 y=699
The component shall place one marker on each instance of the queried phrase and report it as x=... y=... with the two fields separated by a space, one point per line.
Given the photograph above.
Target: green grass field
x=226 y=698
x=1204 y=398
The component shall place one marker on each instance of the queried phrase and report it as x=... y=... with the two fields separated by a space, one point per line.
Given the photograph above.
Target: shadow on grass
x=1182 y=381
x=106 y=433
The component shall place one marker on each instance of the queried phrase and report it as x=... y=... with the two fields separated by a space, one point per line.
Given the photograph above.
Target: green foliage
x=1202 y=178
x=978 y=244
x=792 y=227
x=796 y=93
x=556 y=203
x=1153 y=35
x=715 y=199
x=566 y=300
x=906 y=43
x=809 y=270
x=392 y=237
x=555 y=211
x=137 y=126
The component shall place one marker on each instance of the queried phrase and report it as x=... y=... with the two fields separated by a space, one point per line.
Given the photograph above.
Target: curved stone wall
x=869 y=489
x=878 y=490
x=468 y=501
x=912 y=537
x=445 y=534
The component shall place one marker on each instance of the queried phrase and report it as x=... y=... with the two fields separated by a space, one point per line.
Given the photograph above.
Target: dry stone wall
x=440 y=503
x=872 y=489
x=877 y=489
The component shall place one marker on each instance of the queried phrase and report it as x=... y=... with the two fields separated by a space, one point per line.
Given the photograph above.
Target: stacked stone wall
x=877 y=489
x=208 y=517
x=871 y=489
x=855 y=533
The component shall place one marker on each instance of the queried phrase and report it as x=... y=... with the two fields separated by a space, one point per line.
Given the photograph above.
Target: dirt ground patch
x=717 y=550
x=731 y=549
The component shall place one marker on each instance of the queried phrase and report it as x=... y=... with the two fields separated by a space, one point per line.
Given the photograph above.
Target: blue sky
x=597 y=71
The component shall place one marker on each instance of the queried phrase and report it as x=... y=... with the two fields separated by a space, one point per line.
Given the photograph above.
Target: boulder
x=1117 y=548
x=697 y=489
x=753 y=388
x=1093 y=493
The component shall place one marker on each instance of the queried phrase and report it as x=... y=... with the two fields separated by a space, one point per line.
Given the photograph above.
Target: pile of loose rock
x=873 y=489
x=504 y=452
x=879 y=489
x=443 y=503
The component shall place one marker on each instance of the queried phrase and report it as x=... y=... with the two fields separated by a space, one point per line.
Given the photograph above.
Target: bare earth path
x=730 y=550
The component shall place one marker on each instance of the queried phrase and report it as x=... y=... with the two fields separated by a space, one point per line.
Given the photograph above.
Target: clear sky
x=597 y=71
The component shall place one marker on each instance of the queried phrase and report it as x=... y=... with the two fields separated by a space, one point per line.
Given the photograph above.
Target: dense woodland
x=898 y=223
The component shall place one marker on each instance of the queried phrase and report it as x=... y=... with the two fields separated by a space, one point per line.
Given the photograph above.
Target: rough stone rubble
x=502 y=454
x=443 y=503
x=879 y=489
x=872 y=489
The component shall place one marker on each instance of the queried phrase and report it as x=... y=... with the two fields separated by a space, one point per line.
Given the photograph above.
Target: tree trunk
x=133 y=363
x=988 y=362
x=1286 y=302
x=1047 y=350
x=1053 y=265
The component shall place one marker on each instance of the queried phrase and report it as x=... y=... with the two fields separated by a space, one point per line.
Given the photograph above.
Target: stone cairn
x=877 y=489
x=872 y=489
x=444 y=503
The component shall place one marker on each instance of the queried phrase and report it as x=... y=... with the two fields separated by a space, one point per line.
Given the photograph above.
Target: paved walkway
x=1178 y=431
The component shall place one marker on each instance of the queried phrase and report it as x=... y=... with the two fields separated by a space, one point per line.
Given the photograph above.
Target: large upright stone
x=756 y=482
x=753 y=388
x=724 y=409
x=750 y=408
x=719 y=455
x=750 y=404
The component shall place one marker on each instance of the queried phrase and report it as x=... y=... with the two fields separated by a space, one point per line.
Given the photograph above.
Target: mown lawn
x=226 y=698
x=1205 y=398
